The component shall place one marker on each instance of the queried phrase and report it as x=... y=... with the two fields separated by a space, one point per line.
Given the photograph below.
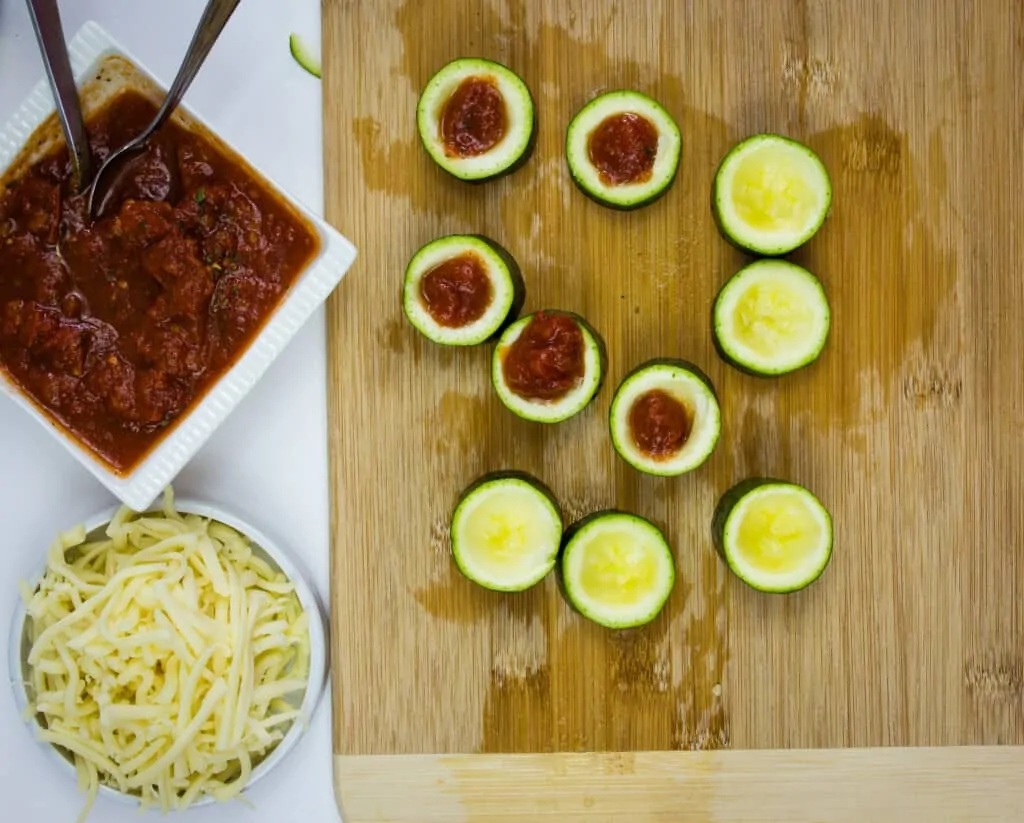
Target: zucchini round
x=772 y=317
x=665 y=418
x=462 y=290
x=506 y=531
x=548 y=366
x=775 y=536
x=623 y=149
x=771 y=194
x=476 y=119
x=617 y=569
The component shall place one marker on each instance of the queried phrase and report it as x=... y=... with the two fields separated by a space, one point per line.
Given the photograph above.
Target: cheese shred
x=166 y=659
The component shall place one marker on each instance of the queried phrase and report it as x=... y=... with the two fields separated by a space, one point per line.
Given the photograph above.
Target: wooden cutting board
x=909 y=428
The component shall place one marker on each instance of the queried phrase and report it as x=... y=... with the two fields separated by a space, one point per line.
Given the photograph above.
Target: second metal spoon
x=214 y=18
x=50 y=36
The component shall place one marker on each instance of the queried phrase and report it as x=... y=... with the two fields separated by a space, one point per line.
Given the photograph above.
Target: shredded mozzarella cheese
x=167 y=660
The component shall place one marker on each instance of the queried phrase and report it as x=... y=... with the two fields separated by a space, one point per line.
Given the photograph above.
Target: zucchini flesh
x=771 y=194
x=772 y=317
x=506 y=531
x=775 y=536
x=617 y=569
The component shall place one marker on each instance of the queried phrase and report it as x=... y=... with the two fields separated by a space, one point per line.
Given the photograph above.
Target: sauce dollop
x=659 y=424
x=474 y=119
x=623 y=148
x=457 y=291
x=546 y=361
x=116 y=327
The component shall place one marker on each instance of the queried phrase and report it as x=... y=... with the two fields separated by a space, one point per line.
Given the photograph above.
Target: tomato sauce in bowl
x=117 y=328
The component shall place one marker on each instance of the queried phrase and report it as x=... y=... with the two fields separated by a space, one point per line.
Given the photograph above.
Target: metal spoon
x=214 y=18
x=50 y=36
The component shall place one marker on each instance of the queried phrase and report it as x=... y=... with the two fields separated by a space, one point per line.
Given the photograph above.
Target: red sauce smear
x=119 y=334
x=546 y=361
x=660 y=424
x=623 y=148
x=457 y=291
x=474 y=119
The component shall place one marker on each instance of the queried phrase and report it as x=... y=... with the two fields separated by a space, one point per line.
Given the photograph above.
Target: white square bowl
x=90 y=50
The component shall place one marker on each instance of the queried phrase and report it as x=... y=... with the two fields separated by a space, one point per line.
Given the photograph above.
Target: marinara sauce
x=659 y=424
x=116 y=327
x=546 y=361
x=457 y=291
x=474 y=119
x=623 y=148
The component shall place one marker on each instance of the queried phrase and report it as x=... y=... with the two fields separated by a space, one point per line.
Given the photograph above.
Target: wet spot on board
x=518 y=708
x=908 y=314
x=382 y=155
x=395 y=334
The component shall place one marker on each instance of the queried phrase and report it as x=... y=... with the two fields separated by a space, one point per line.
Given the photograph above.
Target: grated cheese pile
x=167 y=659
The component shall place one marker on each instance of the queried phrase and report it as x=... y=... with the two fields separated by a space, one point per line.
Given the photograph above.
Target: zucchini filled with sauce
x=665 y=419
x=623 y=149
x=771 y=194
x=548 y=366
x=476 y=119
x=462 y=290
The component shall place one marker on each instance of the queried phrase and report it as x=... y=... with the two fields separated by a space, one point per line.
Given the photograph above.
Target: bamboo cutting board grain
x=908 y=428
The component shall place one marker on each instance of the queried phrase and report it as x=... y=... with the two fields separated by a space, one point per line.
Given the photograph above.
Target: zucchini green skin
x=518 y=293
x=485 y=480
x=728 y=501
x=602 y=365
x=595 y=195
x=716 y=209
x=575 y=528
x=727 y=358
x=523 y=157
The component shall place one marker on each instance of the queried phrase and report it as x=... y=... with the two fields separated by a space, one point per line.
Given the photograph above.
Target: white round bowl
x=264 y=547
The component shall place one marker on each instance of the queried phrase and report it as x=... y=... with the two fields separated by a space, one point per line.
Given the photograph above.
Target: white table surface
x=267 y=463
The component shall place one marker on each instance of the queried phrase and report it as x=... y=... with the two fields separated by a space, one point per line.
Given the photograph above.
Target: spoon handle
x=50 y=36
x=214 y=18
